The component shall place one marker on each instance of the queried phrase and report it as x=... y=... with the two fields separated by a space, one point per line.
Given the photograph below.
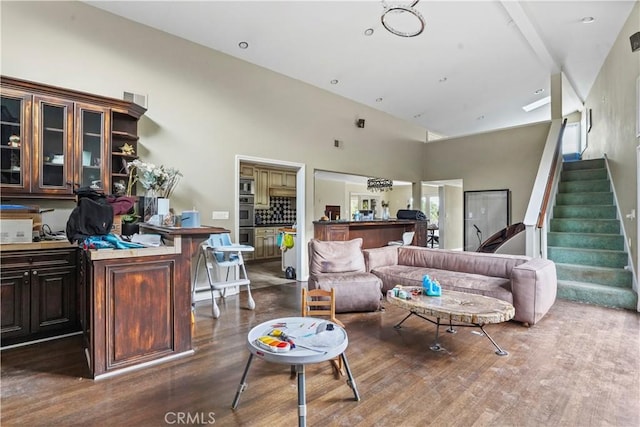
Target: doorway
x=442 y=202
x=271 y=268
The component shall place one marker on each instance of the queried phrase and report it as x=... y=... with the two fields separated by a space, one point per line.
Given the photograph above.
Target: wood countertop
x=45 y=244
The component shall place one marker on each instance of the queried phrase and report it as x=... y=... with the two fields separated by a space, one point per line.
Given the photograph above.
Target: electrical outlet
x=220 y=215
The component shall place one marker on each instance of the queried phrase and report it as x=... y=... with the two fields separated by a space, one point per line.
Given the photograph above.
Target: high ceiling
x=472 y=69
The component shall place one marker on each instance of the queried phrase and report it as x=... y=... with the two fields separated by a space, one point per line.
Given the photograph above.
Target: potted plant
x=130 y=224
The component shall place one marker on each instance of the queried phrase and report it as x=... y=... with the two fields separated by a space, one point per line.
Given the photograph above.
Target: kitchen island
x=374 y=233
x=136 y=306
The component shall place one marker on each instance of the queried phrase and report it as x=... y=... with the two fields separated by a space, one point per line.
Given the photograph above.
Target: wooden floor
x=579 y=366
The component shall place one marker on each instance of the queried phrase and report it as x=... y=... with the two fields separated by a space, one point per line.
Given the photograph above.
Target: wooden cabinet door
x=246 y=171
x=261 y=200
x=53 y=156
x=15 y=161
x=14 y=297
x=92 y=153
x=289 y=179
x=54 y=300
x=338 y=232
x=276 y=178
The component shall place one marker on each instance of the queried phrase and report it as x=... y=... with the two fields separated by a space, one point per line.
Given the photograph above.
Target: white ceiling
x=474 y=67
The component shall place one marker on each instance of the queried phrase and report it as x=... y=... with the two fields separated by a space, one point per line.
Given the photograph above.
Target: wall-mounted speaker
x=136 y=98
x=360 y=123
x=635 y=42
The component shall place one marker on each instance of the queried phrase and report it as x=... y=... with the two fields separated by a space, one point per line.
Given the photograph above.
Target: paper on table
x=149 y=240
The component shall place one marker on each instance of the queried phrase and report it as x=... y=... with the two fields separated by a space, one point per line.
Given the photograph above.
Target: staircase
x=585 y=240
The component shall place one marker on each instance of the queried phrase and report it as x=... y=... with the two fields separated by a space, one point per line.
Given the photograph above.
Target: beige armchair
x=340 y=265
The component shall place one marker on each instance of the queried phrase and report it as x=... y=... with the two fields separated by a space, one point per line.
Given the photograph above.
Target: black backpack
x=93 y=216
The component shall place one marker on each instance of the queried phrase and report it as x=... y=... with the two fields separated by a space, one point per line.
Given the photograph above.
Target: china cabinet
x=55 y=140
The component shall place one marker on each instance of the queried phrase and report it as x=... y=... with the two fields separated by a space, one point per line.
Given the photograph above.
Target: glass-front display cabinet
x=15 y=108
x=92 y=158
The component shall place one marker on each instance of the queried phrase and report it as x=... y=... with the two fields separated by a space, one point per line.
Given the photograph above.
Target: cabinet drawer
x=265 y=231
x=42 y=258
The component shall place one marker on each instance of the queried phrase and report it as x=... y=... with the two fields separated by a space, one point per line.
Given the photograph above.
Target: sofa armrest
x=380 y=257
x=534 y=285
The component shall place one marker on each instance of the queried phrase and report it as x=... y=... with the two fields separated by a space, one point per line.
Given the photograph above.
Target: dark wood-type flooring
x=579 y=366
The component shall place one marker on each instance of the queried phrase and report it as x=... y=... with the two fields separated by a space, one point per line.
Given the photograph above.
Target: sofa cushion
x=494 y=265
x=358 y=291
x=336 y=256
x=496 y=287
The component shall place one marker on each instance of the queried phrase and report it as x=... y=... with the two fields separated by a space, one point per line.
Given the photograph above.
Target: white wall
x=614 y=107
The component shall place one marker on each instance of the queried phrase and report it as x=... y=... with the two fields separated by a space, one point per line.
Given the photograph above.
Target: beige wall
x=503 y=159
x=613 y=132
x=204 y=107
x=452 y=231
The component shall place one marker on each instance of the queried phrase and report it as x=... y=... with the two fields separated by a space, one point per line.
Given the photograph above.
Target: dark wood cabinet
x=39 y=294
x=374 y=233
x=56 y=140
x=136 y=309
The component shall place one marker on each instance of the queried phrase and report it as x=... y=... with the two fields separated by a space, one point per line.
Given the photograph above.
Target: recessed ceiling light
x=417 y=116
x=243 y=45
x=480 y=118
x=378 y=99
x=587 y=19
x=368 y=31
x=538 y=92
x=334 y=81
x=537 y=104
x=442 y=80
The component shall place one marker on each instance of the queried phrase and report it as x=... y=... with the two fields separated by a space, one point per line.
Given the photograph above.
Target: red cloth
x=121 y=204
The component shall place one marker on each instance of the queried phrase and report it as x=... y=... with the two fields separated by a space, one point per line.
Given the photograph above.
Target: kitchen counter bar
x=374 y=233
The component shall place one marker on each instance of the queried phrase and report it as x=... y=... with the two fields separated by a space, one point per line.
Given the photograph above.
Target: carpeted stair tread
x=584 y=198
x=602 y=295
x=584 y=164
x=607 y=241
x=583 y=174
x=615 y=277
x=597 y=257
x=600 y=185
x=604 y=226
x=585 y=211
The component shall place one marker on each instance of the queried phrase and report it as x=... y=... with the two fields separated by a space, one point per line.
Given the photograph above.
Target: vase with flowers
x=158 y=182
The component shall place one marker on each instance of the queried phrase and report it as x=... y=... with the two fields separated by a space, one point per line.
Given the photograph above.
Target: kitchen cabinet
x=246 y=171
x=266 y=179
x=261 y=177
x=282 y=179
x=265 y=243
x=38 y=291
x=56 y=140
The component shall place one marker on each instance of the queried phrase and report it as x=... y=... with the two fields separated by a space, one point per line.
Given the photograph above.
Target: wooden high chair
x=318 y=302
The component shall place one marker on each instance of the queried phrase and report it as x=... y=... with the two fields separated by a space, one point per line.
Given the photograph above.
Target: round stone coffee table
x=469 y=310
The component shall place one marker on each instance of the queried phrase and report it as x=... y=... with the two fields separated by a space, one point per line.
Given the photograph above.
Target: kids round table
x=314 y=340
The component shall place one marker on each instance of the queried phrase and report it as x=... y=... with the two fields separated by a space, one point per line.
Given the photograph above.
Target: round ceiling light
x=334 y=82
x=395 y=11
x=587 y=19
x=243 y=45
x=368 y=32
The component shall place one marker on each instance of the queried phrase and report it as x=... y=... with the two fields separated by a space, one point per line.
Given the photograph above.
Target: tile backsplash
x=282 y=210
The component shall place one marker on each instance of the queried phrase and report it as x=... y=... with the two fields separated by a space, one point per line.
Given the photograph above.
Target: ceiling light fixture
x=368 y=32
x=587 y=19
x=538 y=91
x=334 y=82
x=398 y=10
x=537 y=104
x=378 y=99
x=243 y=45
x=379 y=184
x=442 y=80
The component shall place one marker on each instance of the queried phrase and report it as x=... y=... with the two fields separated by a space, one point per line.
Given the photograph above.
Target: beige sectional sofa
x=528 y=283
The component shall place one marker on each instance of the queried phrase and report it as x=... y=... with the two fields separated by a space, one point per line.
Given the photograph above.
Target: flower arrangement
x=159 y=180
x=384 y=204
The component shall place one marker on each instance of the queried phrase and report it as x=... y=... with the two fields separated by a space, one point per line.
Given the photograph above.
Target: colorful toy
x=272 y=344
x=431 y=287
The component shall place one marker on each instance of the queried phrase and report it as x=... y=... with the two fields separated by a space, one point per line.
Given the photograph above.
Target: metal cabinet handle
x=34 y=272
x=26 y=273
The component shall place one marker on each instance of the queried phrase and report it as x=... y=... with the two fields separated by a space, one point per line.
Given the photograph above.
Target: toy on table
x=431 y=287
x=273 y=344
